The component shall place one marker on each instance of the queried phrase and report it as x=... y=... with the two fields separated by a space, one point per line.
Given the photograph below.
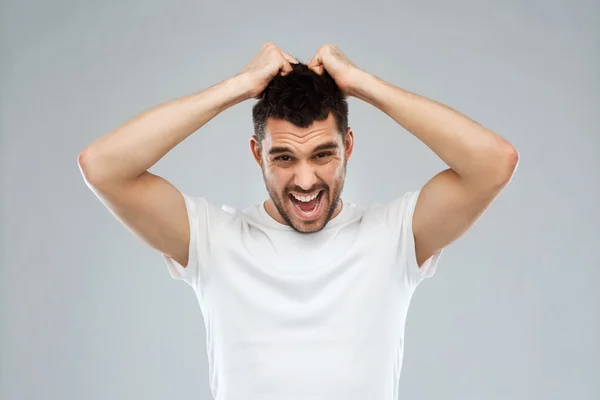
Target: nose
x=305 y=177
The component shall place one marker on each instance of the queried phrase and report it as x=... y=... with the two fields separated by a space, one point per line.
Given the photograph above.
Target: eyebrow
x=321 y=147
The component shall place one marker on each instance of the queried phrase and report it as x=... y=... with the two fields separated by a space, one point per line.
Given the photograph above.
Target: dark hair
x=301 y=97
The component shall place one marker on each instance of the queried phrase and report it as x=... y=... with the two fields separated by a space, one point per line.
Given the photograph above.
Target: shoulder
x=393 y=212
x=202 y=211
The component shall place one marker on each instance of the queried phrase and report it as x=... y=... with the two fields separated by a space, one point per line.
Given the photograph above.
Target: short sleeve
x=400 y=217
x=204 y=220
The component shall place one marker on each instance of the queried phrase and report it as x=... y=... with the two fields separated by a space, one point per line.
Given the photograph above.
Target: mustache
x=302 y=191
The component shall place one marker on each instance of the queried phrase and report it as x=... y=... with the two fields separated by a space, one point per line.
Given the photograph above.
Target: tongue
x=308 y=206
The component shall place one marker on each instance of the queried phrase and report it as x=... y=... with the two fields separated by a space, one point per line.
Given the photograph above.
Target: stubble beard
x=314 y=226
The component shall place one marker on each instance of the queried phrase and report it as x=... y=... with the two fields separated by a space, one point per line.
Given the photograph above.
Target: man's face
x=304 y=171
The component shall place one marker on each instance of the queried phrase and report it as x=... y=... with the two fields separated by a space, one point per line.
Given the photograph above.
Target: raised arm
x=481 y=162
x=115 y=166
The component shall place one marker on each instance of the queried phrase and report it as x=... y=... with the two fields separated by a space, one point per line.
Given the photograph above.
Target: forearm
x=133 y=148
x=471 y=150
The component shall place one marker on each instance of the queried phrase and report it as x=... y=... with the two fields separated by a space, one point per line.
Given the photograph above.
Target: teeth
x=306 y=199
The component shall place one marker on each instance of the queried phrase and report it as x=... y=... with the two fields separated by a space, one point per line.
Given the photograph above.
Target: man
x=304 y=296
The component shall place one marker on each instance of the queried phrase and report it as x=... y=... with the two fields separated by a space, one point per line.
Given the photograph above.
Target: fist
x=265 y=65
x=332 y=60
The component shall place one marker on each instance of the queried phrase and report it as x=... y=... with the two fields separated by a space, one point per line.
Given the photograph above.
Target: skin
x=481 y=162
x=303 y=169
x=115 y=166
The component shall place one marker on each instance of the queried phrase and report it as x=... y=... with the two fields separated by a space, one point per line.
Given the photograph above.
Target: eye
x=283 y=158
x=324 y=154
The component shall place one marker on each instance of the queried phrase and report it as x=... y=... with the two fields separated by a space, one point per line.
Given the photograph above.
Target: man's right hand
x=116 y=165
x=265 y=65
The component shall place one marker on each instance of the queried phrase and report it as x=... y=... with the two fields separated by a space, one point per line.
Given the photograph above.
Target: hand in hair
x=341 y=69
x=265 y=65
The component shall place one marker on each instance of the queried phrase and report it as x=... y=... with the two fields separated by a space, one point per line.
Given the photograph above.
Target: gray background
x=89 y=312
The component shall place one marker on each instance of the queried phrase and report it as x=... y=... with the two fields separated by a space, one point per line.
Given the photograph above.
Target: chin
x=303 y=227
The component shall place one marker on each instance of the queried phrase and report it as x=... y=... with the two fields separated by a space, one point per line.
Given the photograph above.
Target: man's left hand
x=331 y=59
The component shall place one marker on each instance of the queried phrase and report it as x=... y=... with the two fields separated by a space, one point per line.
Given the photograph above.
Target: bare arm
x=481 y=163
x=127 y=152
x=115 y=166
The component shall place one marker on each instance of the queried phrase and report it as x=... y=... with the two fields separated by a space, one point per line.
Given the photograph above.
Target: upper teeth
x=305 y=198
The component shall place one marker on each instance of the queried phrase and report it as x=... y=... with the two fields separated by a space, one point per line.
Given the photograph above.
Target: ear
x=349 y=143
x=256 y=150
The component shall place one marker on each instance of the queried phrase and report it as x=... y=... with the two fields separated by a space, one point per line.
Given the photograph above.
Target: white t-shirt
x=294 y=316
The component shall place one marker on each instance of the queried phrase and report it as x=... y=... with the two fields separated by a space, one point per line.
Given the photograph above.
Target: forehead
x=281 y=133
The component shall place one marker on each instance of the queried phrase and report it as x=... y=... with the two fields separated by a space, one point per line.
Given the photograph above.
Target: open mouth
x=307 y=207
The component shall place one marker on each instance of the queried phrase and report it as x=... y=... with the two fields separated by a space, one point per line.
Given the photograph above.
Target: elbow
x=83 y=162
x=87 y=167
x=511 y=161
x=504 y=165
